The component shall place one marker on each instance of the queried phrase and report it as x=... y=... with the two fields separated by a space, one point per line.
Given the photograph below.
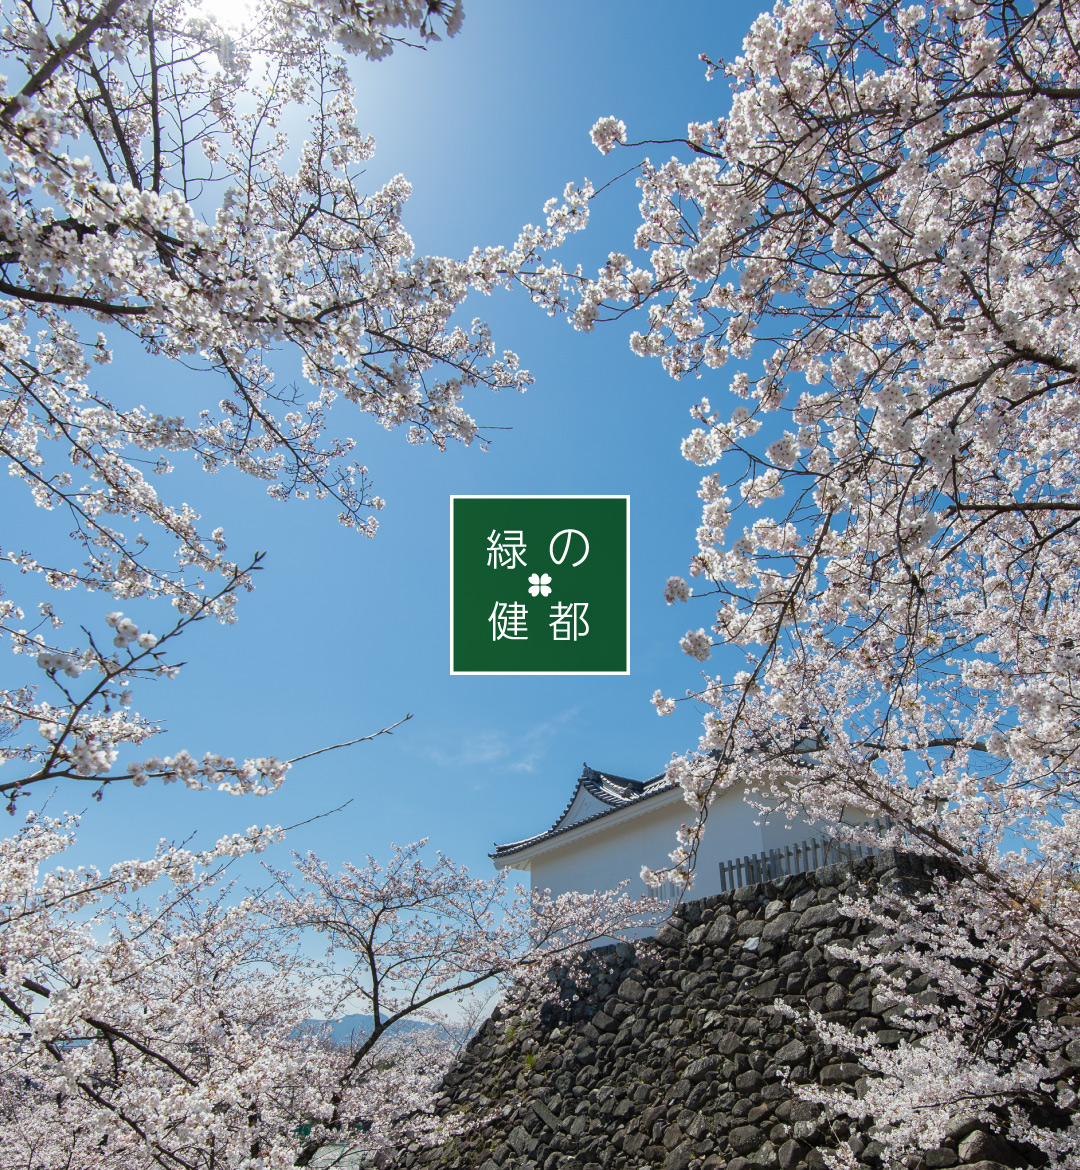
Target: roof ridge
x=592 y=780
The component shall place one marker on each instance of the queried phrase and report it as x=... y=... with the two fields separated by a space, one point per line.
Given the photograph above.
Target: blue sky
x=344 y=635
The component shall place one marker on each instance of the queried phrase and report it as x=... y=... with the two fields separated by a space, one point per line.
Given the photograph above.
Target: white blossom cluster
x=676 y=589
x=54 y=660
x=664 y=706
x=127 y=632
x=697 y=644
x=607 y=133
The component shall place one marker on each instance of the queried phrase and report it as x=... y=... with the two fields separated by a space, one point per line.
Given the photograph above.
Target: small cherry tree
x=881 y=238
x=408 y=939
x=178 y=1032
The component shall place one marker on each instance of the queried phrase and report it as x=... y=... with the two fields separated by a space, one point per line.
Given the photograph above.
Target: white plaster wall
x=600 y=860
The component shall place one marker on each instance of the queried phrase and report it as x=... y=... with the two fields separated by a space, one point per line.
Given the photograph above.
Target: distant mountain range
x=350 y=1029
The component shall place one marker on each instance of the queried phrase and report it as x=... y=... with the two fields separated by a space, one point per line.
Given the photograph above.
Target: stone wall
x=673 y=1061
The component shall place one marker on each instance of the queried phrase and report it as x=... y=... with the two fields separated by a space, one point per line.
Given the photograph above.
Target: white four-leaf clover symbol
x=539 y=584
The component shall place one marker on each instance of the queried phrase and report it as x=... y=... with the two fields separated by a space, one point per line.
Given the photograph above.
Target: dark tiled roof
x=614 y=791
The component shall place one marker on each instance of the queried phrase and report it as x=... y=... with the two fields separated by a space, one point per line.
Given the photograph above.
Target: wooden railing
x=801 y=857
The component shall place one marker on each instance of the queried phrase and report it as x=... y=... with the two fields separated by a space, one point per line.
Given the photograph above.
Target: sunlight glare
x=230 y=15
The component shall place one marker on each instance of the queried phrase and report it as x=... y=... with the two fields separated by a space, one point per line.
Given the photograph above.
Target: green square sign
x=539 y=585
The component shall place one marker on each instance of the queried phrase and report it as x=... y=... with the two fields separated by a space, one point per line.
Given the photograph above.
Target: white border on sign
x=565 y=673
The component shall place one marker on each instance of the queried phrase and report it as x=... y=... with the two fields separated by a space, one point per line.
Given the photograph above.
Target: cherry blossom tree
x=406 y=939
x=150 y=194
x=177 y=1032
x=880 y=239
x=150 y=198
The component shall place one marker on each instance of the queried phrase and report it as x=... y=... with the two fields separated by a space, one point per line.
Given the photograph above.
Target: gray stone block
x=744 y=1138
